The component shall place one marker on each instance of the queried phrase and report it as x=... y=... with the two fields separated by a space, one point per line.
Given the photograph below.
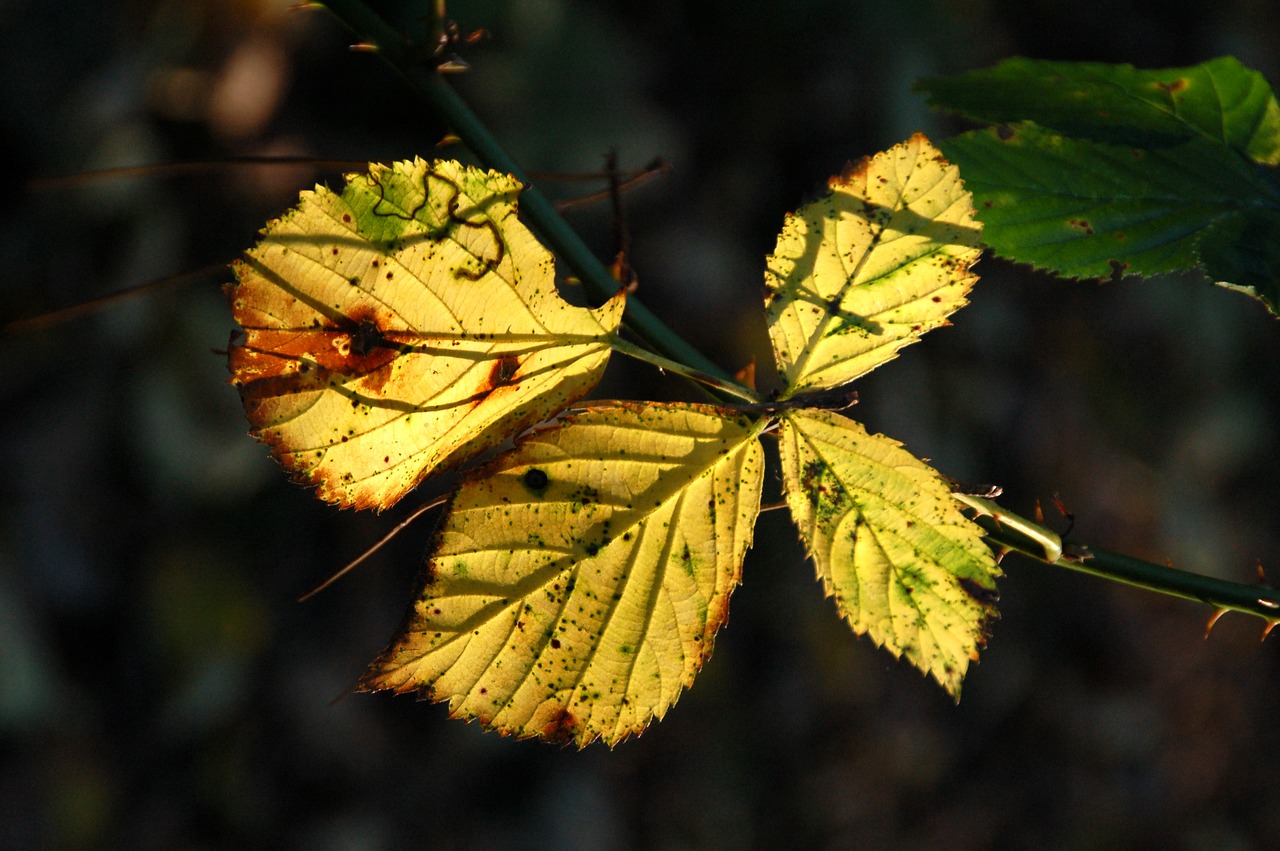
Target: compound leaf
x=869 y=266
x=905 y=567
x=578 y=581
x=406 y=324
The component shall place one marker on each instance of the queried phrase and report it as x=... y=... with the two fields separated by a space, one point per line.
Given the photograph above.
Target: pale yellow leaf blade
x=879 y=259
x=905 y=567
x=578 y=581
x=404 y=325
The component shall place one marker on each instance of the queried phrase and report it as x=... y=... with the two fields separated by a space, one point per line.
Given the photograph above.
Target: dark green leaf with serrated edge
x=1220 y=101
x=1105 y=170
x=1245 y=247
x=1088 y=209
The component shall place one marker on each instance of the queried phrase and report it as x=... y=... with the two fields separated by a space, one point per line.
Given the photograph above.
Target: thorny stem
x=469 y=128
x=1004 y=529
x=1009 y=531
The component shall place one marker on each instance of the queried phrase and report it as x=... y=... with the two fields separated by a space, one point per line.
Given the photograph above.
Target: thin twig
x=354 y=563
x=66 y=314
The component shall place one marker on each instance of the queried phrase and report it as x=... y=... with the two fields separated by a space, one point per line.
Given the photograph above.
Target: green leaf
x=1088 y=209
x=1218 y=101
x=1245 y=248
x=405 y=325
x=905 y=567
x=578 y=582
x=1104 y=170
x=869 y=266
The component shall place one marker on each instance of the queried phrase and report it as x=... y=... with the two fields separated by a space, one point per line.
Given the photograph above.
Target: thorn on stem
x=1213 y=619
x=363 y=47
x=1039 y=513
x=1266 y=630
x=1062 y=509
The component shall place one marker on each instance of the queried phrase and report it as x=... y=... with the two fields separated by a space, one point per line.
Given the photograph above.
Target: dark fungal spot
x=535 y=480
x=366 y=337
x=555 y=644
x=346 y=217
x=1004 y=132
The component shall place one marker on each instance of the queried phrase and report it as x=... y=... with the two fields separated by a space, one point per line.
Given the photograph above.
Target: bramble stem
x=1010 y=531
x=540 y=211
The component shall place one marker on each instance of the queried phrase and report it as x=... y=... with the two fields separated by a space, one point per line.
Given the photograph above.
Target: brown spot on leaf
x=983 y=595
x=560 y=729
x=503 y=371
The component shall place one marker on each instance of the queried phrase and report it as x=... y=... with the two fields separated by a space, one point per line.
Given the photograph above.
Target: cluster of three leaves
x=578 y=580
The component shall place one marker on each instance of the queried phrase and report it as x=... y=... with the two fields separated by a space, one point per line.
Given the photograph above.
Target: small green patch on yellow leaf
x=906 y=568
x=871 y=265
x=578 y=581
x=409 y=323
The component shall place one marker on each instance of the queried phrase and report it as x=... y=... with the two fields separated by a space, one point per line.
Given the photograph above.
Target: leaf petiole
x=723 y=387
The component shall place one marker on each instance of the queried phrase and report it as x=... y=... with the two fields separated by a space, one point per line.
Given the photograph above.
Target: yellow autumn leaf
x=869 y=266
x=578 y=581
x=406 y=324
x=905 y=567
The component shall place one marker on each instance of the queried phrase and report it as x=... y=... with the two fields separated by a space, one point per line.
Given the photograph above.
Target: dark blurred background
x=159 y=686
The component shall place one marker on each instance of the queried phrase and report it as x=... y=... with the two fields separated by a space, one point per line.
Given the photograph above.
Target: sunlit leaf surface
x=578 y=581
x=905 y=567
x=880 y=258
x=408 y=323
